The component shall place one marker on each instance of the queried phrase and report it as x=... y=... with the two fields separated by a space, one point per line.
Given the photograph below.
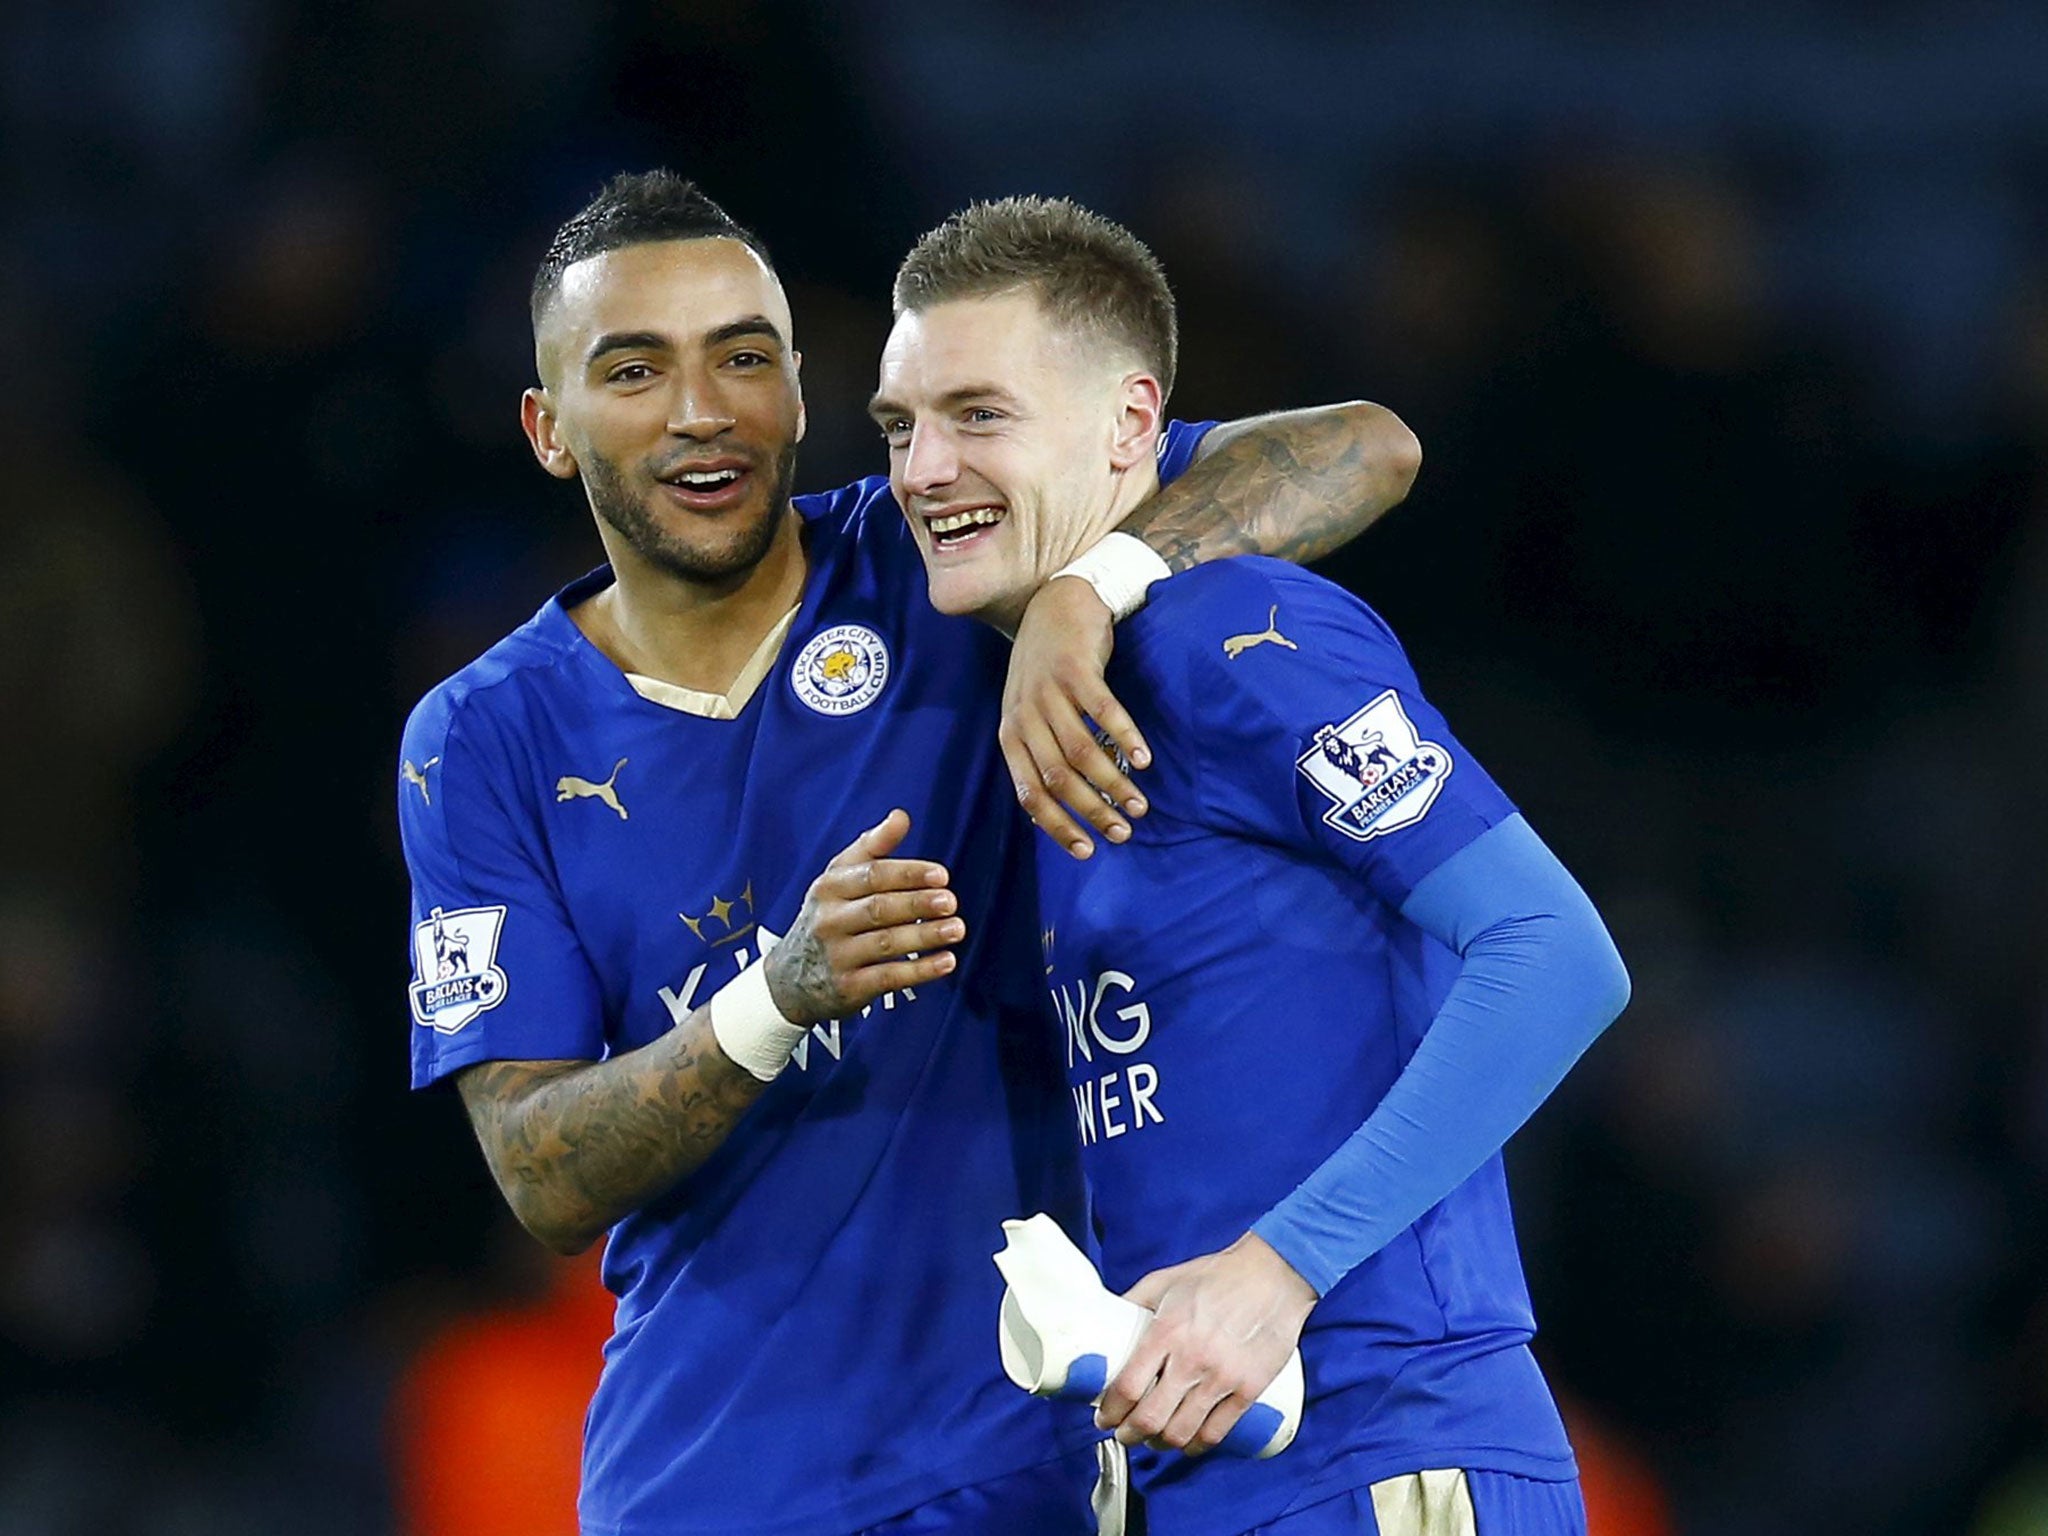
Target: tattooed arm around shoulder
x=576 y=1145
x=1293 y=484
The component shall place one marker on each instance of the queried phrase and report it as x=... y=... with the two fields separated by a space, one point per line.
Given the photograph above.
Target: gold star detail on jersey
x=1237 y=645
x=417 y=776
x=726 y=915
x=572 y=787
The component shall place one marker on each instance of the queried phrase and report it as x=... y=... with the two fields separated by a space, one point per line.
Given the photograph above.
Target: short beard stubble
x=614 y=501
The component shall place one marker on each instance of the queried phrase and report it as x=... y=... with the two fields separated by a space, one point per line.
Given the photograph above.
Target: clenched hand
x=1223 y=1326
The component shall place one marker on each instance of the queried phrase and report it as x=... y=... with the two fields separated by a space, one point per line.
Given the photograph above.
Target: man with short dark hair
x=798 y=1106
x=1329 y=975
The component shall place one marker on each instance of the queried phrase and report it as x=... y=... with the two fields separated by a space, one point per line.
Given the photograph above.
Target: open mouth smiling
x=706 y=479
x=706 y=487
x=951 y=530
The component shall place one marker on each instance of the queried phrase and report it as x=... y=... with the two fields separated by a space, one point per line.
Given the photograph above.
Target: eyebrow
x=655 y=341
x=752 y=325
x=620 y=341
x=882 y=406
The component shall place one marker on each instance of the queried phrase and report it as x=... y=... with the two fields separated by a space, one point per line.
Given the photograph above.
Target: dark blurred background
x=1725 y=330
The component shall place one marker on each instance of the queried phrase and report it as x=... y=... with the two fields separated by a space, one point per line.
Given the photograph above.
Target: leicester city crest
x=455 y=958
x=1379 y=775
x=841 y=670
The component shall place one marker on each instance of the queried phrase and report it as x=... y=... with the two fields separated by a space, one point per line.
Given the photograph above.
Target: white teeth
x=708 y=476
x=975 y=517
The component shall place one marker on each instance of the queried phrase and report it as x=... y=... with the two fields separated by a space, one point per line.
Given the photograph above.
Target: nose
x=929 y=464
x=697 y=406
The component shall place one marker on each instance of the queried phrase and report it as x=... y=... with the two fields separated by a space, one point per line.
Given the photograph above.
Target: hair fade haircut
x=1091 y=274
x=636 y=208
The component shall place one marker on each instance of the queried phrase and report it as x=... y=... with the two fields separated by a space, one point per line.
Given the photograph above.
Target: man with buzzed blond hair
x=1309 y=999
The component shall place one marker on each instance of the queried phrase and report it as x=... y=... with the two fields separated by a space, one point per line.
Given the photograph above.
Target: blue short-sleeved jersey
x=806 y=1325
x=1236 y=990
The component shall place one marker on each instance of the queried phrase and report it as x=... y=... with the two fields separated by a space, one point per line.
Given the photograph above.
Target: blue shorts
x=1502 y=1505
x=1046 y=1500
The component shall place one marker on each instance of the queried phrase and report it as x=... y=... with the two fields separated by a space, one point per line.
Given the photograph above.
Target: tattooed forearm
x=1295 y=485
x=801 y=979
x=577 y=1145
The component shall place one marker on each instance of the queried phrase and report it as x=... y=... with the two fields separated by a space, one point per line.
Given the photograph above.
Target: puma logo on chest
x=571 y=787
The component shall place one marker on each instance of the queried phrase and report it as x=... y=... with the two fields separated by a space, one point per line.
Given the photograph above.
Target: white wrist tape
x=749 y=1027
x=1120 y=567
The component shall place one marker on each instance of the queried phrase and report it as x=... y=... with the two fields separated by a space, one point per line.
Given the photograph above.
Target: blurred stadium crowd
x=1725 y=331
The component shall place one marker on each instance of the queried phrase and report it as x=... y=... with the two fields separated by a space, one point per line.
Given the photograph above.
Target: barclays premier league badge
x=455 y=956
x=842 y=670
x=1378 y=773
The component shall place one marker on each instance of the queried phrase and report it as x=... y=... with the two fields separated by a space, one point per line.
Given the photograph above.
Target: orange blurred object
x=488 y=1417
x=1623 y=1496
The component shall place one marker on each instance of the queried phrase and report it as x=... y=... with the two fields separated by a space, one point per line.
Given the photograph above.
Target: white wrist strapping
x=749 y=1027
x=1120 y=567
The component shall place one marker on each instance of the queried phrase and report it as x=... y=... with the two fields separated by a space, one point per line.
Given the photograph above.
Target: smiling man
x=1020 y=432
x=795 y=1106
x=1329 y=975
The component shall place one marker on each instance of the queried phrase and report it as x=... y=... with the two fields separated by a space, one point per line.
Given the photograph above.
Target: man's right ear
x=537 y=416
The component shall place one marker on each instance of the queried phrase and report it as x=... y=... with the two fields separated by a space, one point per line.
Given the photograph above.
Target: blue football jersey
x=1235 y=990
x=805 y=1335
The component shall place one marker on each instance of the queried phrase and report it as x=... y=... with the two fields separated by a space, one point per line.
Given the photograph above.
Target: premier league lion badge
x=1378 y=773
x=842 y=670
x=455 y=956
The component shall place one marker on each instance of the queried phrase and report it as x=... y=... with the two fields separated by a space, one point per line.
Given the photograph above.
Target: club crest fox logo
x=571 y=787
x=1237 y=645
x=841 y=670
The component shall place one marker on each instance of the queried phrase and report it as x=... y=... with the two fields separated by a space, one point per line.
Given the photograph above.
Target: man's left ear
x=1141 y=416
x=803 y=419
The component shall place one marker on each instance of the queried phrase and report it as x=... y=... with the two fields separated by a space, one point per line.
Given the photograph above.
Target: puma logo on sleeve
x=1237 y=645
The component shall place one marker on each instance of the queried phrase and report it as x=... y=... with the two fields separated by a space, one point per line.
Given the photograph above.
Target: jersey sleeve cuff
x=433 y=1061
x=1282 y=1230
